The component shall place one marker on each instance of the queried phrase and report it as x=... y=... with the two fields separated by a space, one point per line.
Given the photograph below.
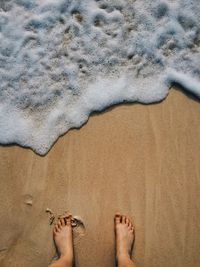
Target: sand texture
x=141 y=160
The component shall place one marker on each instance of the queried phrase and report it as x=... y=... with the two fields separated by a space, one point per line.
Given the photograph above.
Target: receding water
x=62 y=59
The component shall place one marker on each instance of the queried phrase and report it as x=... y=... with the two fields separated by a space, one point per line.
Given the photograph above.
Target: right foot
x=63 y=239
x=125 y=234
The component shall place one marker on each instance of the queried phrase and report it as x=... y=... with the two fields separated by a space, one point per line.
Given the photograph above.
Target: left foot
x=64 y=240
x=125 y=234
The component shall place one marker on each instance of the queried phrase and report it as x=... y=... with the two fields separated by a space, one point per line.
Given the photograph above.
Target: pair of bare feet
x=124 y=235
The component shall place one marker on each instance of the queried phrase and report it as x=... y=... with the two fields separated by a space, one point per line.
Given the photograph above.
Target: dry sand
x=141 y=160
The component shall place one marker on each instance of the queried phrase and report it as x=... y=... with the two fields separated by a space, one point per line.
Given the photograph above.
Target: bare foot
x=125 y=235
x=64 y=240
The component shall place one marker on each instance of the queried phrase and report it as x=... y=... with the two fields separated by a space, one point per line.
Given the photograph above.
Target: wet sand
x=141 y=160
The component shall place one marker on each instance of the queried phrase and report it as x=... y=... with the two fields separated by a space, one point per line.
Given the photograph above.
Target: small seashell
x=49 y=210
x=29 y=202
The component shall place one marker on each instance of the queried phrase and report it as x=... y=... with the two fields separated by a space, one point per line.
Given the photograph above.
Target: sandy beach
x=140 y=160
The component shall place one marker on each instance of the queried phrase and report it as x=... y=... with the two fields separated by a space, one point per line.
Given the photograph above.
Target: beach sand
x=140 y=160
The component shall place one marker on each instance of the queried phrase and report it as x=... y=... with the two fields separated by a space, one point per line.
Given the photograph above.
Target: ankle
x=123 y=257
x=66 y=259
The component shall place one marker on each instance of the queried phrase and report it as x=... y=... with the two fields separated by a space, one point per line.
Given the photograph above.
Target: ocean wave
x=60 y=60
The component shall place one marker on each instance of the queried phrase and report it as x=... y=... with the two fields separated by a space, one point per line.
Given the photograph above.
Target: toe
x=57 y=229
x=127 y=221
x=59 y=224
x=129 y=226
x=68 y=221
x=132 y=228
x=132 y=225
x=62 y=221
x=123 y=219
x=117 y=218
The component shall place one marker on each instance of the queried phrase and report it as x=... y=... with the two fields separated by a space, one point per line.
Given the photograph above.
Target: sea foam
x=62 y=59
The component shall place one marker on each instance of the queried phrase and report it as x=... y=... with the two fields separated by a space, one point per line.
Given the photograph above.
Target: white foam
x=62 y=59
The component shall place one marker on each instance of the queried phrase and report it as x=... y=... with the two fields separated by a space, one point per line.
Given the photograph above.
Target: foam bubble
x=62 y=59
